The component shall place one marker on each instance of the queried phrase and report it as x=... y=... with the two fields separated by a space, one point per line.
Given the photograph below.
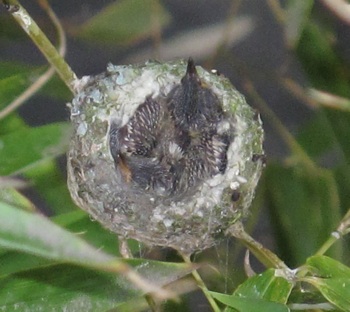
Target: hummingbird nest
x=165 y=153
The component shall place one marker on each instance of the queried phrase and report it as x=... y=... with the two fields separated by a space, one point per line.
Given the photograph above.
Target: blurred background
x=272 y=51
x=238 y=38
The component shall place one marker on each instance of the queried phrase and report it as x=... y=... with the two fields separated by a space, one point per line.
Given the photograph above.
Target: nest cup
x=168 y=154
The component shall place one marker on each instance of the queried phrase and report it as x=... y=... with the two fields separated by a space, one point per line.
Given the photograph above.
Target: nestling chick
x=171 y=143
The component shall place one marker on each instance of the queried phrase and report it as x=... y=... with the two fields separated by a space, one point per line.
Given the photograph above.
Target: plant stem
x=46 y=76
x=201 y=285
x=277 y=10
x=264 y=255
x=126 y=253
x=342 y=230
x=42 y=42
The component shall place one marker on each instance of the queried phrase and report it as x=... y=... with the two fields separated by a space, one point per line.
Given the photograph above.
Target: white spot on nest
x=96 y=96
x=157 y=216
x=232 y=174
x=82 y=128
x=168 y=222
x=241 y=179
x=114 y=96
x=111 y=68
x=234 y=185
x=216 y=180
x=120 y=79
x=74 y=111
x=200 y=213
x=79 y=84
x=215 y=197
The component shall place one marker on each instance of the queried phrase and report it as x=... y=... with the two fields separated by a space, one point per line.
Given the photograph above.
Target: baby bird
x=172 y=143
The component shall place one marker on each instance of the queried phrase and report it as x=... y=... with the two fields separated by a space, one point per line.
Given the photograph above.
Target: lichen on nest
x=165 y=153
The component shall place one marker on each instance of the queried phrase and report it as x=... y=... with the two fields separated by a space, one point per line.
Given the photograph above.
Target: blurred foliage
x=131 y=20
x=44 y=266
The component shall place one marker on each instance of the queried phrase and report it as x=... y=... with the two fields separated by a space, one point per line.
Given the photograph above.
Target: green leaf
x=15 y=262
x=249 y=304
x=328 y=268
x=77 y=222
x=92 y=232
x=37 y=235
x=38 y=284
x=34 y=234
x=316 y=136
x=268 y=286
x=14 y=198
x=11 y=123
x=124 y=22
x=64 y=288
x=69 y=219
x=160 y=273
x=49 y=182
x=335 y=290
x=70 y=288
x=342 y=174
x=332 y=279
x=304 y=207
x=31 y=146
x=12 y=86
x=321 y=63
x=80 y=222
x=55 y=87
x=8 y=69
x=339 y=122
x=327 y=72
x=9 y=29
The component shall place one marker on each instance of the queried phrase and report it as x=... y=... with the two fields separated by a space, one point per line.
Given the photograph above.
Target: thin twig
x=201 y=285
x=229 y=23
x=45 y=77
x=126 y=253
x=264 y=255
x=330 y=100
x=156 y=26
x=340 y=8
x=25 y=95
x=277 y=10
x=311 y=306
x=342 y=230
x=298 y=91
x=42 y=42
x=146 y=285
